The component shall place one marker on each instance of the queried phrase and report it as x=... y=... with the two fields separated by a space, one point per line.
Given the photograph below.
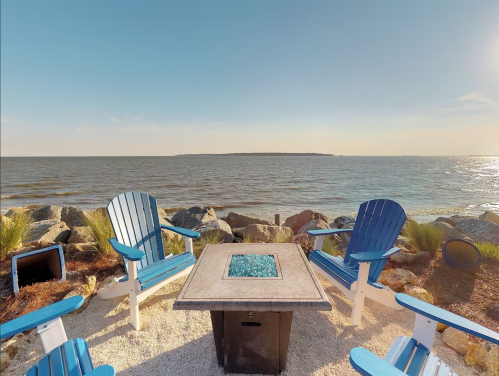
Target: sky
x=120 y=77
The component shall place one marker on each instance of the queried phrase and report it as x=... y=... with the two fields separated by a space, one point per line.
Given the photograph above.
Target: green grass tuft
x=329 y=246
x=175 y=245
x=423 y=237
x=488 y=250
x=14 y=232
x=283 y=237
x=101 y=229
x=209 y=237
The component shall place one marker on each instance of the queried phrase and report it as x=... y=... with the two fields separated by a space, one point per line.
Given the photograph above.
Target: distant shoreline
x=258 y=155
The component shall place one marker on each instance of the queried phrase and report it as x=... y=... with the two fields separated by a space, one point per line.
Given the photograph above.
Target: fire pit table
x=251 y=291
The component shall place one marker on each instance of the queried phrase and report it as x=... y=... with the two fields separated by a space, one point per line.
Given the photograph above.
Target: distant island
x=261 y=155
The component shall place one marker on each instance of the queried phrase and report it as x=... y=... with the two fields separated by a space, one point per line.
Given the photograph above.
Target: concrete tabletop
x=210 y=288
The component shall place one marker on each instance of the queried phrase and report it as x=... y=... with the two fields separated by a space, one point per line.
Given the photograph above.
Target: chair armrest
x=182 y=231
x=446 y=317
x=105 y=370
x=374 y=256
x=368 y=364
x=328 y=231
x=33 y=319
x=132 y=254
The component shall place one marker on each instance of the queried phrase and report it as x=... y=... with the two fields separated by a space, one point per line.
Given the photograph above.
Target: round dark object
x=461 y=255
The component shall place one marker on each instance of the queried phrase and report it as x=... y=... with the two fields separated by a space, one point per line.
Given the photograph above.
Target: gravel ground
x=181 y=342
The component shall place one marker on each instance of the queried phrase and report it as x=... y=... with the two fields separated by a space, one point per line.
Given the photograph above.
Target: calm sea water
x=425 y=186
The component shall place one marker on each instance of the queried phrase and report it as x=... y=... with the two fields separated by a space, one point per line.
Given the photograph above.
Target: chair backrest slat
x=376 y=228
x=135 y=221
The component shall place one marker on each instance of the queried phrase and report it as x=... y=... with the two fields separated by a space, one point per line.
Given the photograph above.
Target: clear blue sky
x=160 y=77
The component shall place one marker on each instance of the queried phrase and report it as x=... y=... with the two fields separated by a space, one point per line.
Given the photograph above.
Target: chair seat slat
x=417 y=361
x=56 y=362
x=443 y=370
x=83 y=356
x=396 y=348
x=72 y=367
x=33 y=371
x=405 y=355
x=163 y=265
x=167 y=275
x=431 y=365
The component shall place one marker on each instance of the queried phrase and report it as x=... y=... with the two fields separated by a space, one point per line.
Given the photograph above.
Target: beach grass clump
x=330 y=247
x=13 y=232
x=101 y=229
x=247 y=238
x=488 y=250
x=174 y=245
x=283 y=237
x=209 y=237
x=423 y=236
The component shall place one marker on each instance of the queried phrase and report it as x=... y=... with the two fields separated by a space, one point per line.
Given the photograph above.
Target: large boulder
x=218 y=226
x=239 y=220
x=73 y=217
x=46 y=213
x=296 y=222
x=81 y=234
x=479 y=231
x=476 y=355
x=456 y=340
x=493 y=361
x=169 y=235
x=192 y=217
x=15 y=211
x=418 y=293
x=263 y=233
x=446 y=220
x=403 y=241
x=489 y=217
x=448 y=232
x=343 y=220
x=48 y=231
x=317 y=224
x=396 y=279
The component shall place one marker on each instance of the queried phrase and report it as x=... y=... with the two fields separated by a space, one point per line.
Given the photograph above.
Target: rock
x=476 y=355
x=15 y=211
x=403 y=241
x=4 y=360
x=441 y=327
x=85 y=290
x=343 y=220
x=403 y=257
x=493 y=361
x=161 y=212
x=74 y=217
x=448 y=232
x=82 y=247
x=479 y=231
x=295 y=222
x=46 y=213
x=396 y=279
x=419 y=293
x=239 y=220
x=317 y=224
x=456 y=340
x=216 y=225
x=303 y=240
x=81 y=234
x=446 y=220
x=493 y=310
x=489 y=217
x=263 y=233
x=169 y=235
x=192 y=217
x=48 y=231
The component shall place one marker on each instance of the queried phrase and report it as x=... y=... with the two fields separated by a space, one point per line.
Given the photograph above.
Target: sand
x=181 y=342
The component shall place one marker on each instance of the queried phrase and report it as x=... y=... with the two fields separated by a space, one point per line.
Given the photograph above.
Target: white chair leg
x=134 y=303
x=318 y=243
x=360 y=293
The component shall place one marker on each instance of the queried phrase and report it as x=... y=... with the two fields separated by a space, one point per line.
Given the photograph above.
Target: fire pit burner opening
x=256 y=266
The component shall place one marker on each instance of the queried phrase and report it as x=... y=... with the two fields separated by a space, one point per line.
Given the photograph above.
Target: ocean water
x=427 y=187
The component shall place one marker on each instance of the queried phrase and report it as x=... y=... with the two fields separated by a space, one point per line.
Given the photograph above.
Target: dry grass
x=173 y=245
x=38 y=295
x=102 y=230
x=14 y=232
x=423 y=237
x=283 y=237
x=329 y=246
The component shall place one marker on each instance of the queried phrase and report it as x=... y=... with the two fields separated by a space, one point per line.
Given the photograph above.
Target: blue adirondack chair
x=72 y=356
x=137 y=228
x=376 y=228
x=412 y=355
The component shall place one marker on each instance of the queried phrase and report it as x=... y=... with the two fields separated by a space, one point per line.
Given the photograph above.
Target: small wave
x=293 y=188
x=254 y=202
x=30 y=185
x=42 y=195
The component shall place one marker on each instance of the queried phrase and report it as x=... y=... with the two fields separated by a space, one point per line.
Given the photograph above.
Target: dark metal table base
x=252 y=342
